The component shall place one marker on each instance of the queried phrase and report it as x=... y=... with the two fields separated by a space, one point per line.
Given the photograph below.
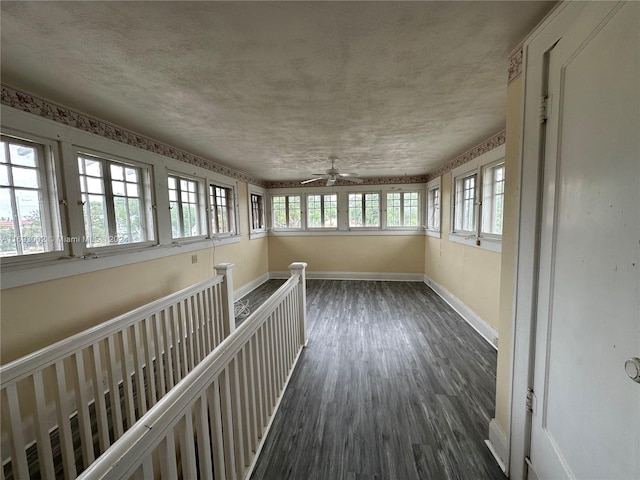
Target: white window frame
x=230 y=210
x=50 y=173
x=385 y=209
x=287 y=195
x=148 y=223
x=322 y=210
x=489 y=197
x=364 y=213
x=261 y=232
x=433 y=230
x=475 y=237
x=202 y=193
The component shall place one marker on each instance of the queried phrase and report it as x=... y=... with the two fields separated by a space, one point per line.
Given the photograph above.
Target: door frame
x=534 y=65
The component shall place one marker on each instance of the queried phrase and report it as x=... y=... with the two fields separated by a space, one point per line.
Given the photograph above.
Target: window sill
x=352 y=232
x=254 y=235
x=433 y=233
x=484 y=243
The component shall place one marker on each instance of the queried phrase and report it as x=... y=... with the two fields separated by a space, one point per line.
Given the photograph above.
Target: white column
x=226 y=270
x=298 y=268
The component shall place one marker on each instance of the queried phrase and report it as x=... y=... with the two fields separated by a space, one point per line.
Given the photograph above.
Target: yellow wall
x=470 y=273
x=507 y=284
x=39 y=314
x=358 y=253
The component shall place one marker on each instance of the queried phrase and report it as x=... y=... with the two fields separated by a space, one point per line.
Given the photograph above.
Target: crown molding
x=37 y=106
x=480 y=149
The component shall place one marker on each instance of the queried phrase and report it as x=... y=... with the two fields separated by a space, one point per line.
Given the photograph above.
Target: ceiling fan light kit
x=332 y=175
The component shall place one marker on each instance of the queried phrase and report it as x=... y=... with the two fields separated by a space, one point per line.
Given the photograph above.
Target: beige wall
x=509 y=239
x=349 y=253
x=472 y=274
x=39 y=314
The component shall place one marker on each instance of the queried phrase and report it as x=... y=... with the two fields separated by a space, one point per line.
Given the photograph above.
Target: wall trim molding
x=478 y=324
x=498 y=445
x=365 y=276
x=26 y=102
x=489 y=144
x=345 y=183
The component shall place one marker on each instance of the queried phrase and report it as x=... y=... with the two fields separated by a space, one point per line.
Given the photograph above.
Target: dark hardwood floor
x=392 y=385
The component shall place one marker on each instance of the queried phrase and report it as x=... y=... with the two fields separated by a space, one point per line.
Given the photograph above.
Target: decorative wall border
x=514 y=68
x=343 y=183
x=43 y=108
x=480 y=149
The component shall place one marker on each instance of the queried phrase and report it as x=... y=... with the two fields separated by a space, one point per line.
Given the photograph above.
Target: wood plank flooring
x=392 y=385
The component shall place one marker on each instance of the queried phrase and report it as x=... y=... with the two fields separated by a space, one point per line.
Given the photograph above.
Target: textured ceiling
x=272 y=89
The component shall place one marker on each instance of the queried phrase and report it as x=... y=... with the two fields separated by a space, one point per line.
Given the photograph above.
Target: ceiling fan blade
x=348 y=175
x=312 y=180
x=353 y=179
x=331 y=182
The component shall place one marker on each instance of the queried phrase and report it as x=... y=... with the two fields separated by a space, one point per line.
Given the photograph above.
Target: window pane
x=410 y=209
x=118 y=188
x=372 y=210
x=94 y=185
x=314 y=211
x=4 y=175
x=132 y=190
x=279 y=212
x=95 y=216
x=295 y=214
x=117 y=172
x=135 y=219
x=175 y=220
x=355 y=210
x=22 y=155
x=25 y=177
x=331 y=211
x=493 y=198
x=3 y=155
x=393 y=210
x=122 y=220
x=93 y=167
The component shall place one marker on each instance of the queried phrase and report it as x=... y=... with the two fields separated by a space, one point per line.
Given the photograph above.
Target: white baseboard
x=368 y=276
x=243 y=290
x=498 y=445
x=479 y=325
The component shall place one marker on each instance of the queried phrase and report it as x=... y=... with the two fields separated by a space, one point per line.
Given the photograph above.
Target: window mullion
x=109 y=201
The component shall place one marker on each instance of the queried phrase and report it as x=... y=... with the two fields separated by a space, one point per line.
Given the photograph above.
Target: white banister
x=217 y=417
x=298 y=268
x=226 y=270
x=91 y=387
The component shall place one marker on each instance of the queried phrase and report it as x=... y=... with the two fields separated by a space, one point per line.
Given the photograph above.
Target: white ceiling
x=273 y=88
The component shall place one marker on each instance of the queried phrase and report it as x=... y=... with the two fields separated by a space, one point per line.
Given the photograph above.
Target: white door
x=586 y=419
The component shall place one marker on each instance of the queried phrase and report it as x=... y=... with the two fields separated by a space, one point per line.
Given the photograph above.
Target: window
x=478 y=201
x=433 y=208
x=322 y=211
x=364 y=210
x=222 y=211
x=113 y=202
x=257 y=211
x=492 y=199
x=464 y=204
x=29 y=220
x=402 y=209
x=185 y=207
x=287 y=212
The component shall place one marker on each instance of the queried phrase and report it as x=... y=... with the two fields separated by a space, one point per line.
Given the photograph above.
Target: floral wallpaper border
x=37 y=106
x=480 y=149
x=514 y=68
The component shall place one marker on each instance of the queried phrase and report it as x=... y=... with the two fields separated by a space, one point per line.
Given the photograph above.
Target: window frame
x=322 y=196
x=261 y=193
x=432 y=186
x=51 y=187
x=149 y=221
x=385 y=208
x=287 y=196
x=477 y=167
x=486 y=205
x=364 y=212
x=202 y=209
x=230 y=210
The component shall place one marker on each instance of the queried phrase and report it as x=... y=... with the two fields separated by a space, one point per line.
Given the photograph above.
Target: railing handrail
x=20 y=368
x=151 y=428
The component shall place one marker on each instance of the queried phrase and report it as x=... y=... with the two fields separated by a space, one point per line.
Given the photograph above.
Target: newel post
x=298 y=268
x=226 y=270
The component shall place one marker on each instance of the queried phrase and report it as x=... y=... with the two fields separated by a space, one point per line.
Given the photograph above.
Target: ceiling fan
x=331 y=175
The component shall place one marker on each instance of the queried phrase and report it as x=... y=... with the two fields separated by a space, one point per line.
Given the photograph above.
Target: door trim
x=535 y=49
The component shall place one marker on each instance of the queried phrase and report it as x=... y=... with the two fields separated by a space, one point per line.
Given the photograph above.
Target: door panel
x=587 y=423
